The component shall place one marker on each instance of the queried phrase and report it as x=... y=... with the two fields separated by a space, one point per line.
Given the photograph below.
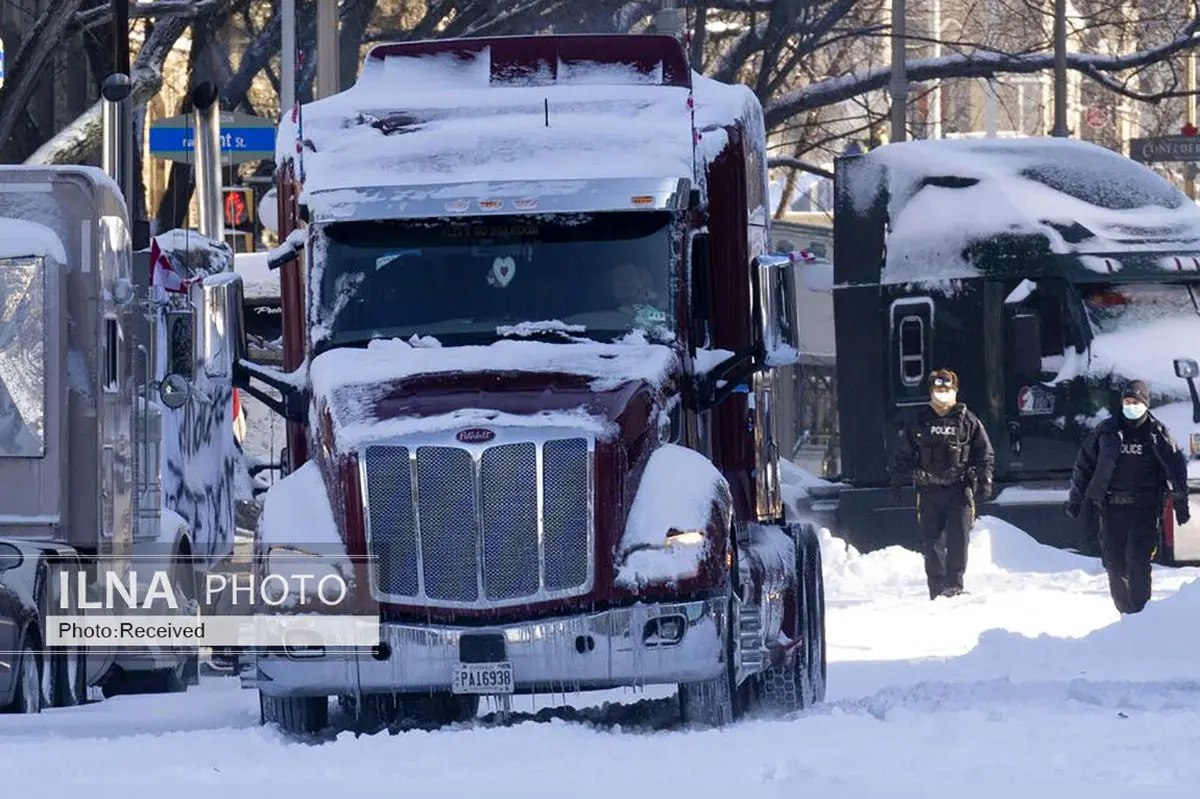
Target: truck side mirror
x=220 y=328
x=1025 y=344
x=1186 y=369
x=10 y=557
x=778 y=328
x=174 y=391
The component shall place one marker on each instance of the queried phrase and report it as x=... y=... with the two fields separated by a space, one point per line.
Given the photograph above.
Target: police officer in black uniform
x=1126 y=467
x=947 y=452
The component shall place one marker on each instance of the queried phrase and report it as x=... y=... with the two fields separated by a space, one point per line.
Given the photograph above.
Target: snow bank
x=258 y=282
x=609 y=365
x=1017 y=190
x=20 y=238
x=442 y=119
x=677 y=493
x=997 y=548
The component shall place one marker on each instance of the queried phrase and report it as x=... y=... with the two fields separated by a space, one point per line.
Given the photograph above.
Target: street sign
x=1096 y=116
x=1159 y=149
x=244 y=137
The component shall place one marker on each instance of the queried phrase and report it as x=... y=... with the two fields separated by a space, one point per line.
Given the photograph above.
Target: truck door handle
x=1014 y=437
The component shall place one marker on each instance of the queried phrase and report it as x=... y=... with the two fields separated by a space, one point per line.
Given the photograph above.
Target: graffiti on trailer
x=200 y=463
x=200 y=458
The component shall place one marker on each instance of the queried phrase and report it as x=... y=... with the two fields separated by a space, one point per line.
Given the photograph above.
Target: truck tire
x=294 y=715
x=713 y=702
x=799 y=682
x=27 y=693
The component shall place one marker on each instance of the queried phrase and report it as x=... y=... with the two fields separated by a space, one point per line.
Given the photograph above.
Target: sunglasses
x=942 y=382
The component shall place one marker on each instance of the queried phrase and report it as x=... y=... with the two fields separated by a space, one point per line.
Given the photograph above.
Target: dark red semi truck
x=530 y=332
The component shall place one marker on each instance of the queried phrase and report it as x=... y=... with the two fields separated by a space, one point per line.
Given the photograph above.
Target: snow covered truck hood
x=394 y=388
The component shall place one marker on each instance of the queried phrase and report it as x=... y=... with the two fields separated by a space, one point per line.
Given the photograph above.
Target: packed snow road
x=1029 y=682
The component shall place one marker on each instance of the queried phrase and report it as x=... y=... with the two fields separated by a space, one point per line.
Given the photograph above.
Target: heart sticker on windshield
x=503 y=270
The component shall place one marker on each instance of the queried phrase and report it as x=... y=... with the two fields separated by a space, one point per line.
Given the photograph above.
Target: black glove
x=983 y=491
x=1182 y=512
x=1074 y=509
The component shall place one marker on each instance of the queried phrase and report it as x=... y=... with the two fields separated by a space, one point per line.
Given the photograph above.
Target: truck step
x=750 y=638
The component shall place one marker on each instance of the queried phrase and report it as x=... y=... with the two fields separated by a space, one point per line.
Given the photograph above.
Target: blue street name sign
x=243 y=138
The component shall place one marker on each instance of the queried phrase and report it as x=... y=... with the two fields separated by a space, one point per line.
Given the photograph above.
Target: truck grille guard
x=479 y=526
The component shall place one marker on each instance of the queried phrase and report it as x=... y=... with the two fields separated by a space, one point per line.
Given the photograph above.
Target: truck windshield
x=473 y=280
x=22 y=365
x=1117 y=308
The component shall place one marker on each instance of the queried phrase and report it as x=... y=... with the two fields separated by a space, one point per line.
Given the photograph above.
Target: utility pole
x=936 y=94
x=1060 y=70
x=287 y=65
x=327 y=48
x=899 y=83
x=1189 y=169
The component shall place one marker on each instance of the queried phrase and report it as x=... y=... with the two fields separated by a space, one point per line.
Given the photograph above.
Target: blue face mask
x=1134 y=411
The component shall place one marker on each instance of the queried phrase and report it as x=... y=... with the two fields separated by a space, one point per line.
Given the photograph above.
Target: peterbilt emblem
x=475 y=435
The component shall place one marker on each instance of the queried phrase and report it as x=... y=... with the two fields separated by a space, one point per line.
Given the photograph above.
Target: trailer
x=529 y=380
x=116 y=448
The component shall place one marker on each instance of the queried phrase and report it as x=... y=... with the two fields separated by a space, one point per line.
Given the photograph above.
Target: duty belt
x=924 y=478
x=1125 y=498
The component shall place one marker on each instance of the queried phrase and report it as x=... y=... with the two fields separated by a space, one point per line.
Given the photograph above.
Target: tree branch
x=37 y=48
x=102 y=14
x=74 y=143
x=975 y=65
x=796 y=163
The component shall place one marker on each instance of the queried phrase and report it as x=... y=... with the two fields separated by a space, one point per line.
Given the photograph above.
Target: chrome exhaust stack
x=117 y=145
x=207 y=115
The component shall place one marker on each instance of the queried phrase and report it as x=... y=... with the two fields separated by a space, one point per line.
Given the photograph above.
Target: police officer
x=1126 y=467
x=947 y=452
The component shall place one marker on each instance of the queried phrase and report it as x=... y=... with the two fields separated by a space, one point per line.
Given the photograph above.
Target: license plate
x=483 y=678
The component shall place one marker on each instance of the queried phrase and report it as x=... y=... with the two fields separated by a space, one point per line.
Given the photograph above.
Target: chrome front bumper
x=614 y=648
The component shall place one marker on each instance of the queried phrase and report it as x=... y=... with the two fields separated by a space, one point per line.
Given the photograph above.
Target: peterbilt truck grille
x=479 y=527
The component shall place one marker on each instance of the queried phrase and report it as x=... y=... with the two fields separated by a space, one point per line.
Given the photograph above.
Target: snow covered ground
x=1030 y=682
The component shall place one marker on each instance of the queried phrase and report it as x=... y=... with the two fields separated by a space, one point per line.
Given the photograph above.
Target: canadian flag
x=162 y=273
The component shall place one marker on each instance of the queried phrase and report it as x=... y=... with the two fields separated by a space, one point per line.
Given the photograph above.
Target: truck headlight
x=298 y=578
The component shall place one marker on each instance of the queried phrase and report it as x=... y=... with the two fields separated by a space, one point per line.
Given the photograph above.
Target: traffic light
x=239 y=209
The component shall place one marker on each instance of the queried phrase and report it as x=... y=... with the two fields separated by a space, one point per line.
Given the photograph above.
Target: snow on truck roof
x=944 y=195
x=21 y=238
x=420 y=117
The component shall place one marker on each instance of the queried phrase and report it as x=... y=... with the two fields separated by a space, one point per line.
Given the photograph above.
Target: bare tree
x=819 y=67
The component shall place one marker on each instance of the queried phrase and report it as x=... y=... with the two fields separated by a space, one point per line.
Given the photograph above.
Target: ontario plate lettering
x=483 y=678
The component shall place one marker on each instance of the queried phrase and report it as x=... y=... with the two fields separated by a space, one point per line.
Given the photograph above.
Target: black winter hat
x=1137 y=390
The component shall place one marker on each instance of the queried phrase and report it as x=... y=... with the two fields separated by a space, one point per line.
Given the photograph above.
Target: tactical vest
x=943 y=449
x=1137 y=476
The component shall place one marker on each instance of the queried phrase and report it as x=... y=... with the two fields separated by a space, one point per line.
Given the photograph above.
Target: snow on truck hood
x=1023 y=186
x=446 y=122
x=348 y=378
